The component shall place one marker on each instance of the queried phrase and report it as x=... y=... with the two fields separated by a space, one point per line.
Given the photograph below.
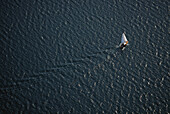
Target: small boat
x=124 y=42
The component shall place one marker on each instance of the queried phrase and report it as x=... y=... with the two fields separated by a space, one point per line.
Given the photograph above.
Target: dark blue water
x=61 y=56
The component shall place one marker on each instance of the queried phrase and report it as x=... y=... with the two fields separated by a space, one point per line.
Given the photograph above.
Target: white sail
x=124 y=39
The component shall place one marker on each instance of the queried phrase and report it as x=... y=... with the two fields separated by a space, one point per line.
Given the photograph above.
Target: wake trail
x=102 y=54
x=83 y=59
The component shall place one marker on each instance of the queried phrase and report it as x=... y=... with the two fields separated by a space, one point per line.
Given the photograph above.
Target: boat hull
x=122 y=46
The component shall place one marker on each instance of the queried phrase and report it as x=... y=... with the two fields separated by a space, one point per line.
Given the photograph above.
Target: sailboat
x=124 y=42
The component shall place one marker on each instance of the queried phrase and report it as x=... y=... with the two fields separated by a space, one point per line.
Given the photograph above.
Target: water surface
x=61 y=56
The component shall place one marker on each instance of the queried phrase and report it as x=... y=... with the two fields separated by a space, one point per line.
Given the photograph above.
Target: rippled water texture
x=61 y=56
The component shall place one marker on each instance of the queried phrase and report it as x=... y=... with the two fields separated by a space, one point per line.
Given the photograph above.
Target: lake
x=62 y=56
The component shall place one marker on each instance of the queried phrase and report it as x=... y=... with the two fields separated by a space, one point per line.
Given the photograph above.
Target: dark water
x=61 y=56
